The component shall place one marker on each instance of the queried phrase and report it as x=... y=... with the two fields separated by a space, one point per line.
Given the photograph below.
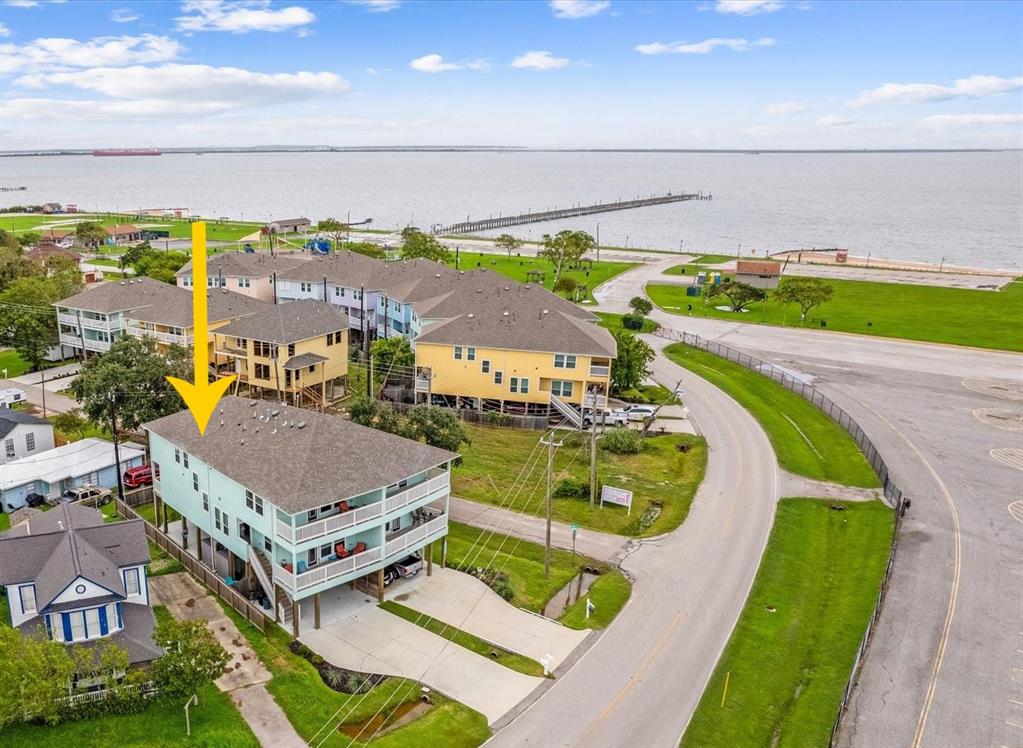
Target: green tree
x=63 y=273
x=35 y=675
x=366 y=411
x=393 y=355
x=27 y=321
x=90 y=233
x=136 y=371
x=565 y=248
x=566 y=285
x=29 y=238
x=131 y=255
x=366 y=248
x=640 y=305
x=14 y=264
x=335 y=229
x=507 y=242
x=409 y=231
x=629 y=368
x=8 y=240
x=418 y=244
x=807 y=293
x=192 y=657
x=437 y=427
x=160 y=266
x=739 y=295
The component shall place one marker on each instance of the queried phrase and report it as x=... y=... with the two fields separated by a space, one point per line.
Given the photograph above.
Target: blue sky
x=567 y=73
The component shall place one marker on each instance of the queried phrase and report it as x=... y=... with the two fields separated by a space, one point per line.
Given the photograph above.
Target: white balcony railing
x=90 y=344
x=326 y=572
x=91 y=324
x=164 y=337
x=416 y=536
x=600 y=371
x=360 y=515
x=422 y=384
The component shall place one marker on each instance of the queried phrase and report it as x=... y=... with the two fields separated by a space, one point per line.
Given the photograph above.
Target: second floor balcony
x=169 y=338
x=89 y=323
x=436 y=485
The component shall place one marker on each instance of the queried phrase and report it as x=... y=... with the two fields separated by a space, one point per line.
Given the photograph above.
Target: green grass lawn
x=805 y=440
x=5 y=611
x=608 y=593
x=13 y=362
x=792 y=650
x=309 y=703
x=958 y=316
x=614 y=322
x=517 y=662
x=517 y=267
x=5 y=521
x=179 y=228
x=215 y=722
x=659 y=475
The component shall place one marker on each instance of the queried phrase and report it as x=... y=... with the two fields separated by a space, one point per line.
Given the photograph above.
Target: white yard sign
x=618 y=496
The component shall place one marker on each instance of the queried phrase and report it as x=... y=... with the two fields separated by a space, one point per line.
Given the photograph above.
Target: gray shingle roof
x=303 y=360
x=136 y=638
x=245 y=264
x=288 y=323
x=329 y=459
x=10 y=418
x=68 y=542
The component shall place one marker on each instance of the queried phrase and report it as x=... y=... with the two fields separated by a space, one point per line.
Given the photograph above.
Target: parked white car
x=637 y=412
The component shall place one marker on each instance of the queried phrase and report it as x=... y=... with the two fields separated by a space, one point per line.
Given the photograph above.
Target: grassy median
x=958 y=316
x=805 y=440
x=792 y=650
x=663 y=478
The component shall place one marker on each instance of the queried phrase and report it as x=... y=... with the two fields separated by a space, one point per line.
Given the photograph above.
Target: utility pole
x=549 y=441
x=42 y=386
x=117 y=449
x=593 y=453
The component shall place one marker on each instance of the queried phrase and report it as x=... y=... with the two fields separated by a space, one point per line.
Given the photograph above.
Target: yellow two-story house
x=513 y=355
x=297 y=350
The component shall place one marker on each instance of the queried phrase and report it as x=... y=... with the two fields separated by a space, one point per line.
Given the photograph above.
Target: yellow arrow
x=202 y=396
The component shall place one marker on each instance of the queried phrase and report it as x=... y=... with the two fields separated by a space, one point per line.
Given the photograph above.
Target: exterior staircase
x=567 y=410
x=263 y=569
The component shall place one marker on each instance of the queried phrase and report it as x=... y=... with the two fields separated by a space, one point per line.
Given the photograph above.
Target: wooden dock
x=488 y=224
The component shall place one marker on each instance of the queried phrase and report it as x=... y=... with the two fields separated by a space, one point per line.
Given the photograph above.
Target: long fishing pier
x=486 y=224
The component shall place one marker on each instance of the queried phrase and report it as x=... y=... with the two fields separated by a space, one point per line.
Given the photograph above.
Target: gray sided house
x=72 y=578
x=22 y=434
x=304 y=501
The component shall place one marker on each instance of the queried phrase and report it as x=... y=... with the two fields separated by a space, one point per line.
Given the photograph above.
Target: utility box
x=692 y=290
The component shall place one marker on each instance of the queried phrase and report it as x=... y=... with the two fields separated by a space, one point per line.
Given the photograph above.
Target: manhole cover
x=1009 y=456
x=1000 y=418
x=999 y=388
x=1016 y=510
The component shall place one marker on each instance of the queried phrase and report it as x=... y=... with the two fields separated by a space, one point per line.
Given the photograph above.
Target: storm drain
x=1010 y=456
x=1000 y=418
x=999 y=388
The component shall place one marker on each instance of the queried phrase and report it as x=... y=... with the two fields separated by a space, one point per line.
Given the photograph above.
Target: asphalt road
x=945 y=667
x=638 y=684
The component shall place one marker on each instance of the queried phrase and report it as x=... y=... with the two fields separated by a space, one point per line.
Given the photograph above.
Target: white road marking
x=1016 y=510
x=1000 y=418
x=1009 y=456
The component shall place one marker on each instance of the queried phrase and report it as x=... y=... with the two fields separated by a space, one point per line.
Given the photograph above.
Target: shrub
x=622 y=441
x=569 y=488
x=632 y=321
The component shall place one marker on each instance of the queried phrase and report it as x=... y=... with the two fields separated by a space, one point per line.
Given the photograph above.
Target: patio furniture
x=288 y=567
x=343 y=506
x=302 y=566
x=359 y=547
x=340 y=550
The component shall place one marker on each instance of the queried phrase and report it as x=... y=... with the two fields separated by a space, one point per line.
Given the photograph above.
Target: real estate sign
x=619 y=496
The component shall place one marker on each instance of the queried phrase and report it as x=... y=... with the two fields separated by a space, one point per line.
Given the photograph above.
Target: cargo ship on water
x=127 y=152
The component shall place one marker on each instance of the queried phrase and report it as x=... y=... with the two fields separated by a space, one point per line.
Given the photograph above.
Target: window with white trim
x=498 y=377
x=9 y=447
x=485 y=364
x=564 y=361
x=184 y=459
x=458 y=353
x=92 y=622
x=77 y=626
x=205 y=502
x=177 y=455
x=518 y=384
x=131 y=582
x=470 y=353
x=253 y=502
x=30 y=441
x=27 y=593
x=195 y=482
x=339 y=292
x=243 y=283
x=561 y=388
x=305 y=287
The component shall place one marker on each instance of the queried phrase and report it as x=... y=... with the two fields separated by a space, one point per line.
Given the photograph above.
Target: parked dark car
x=35 y=499
x=137 y=477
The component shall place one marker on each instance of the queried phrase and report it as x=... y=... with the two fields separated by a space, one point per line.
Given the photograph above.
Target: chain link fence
x=832 y=410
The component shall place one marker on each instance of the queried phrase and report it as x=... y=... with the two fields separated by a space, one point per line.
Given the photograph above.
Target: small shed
x=286 y=225
x=50 y=208
x=758 y=273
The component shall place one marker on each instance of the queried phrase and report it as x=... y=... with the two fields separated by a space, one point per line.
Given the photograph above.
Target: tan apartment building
x=248 y=273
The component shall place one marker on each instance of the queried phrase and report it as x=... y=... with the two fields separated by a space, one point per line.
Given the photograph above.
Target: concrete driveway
x=357 y=635
x=463 y=601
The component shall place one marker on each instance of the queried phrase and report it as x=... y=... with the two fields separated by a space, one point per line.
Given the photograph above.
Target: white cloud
x=785 y=107
x=748 y=7
x=578 y=8
x=945 y=121
x=964 y=88
x=434 y=63
x=377 y=6
x=50 y=53
x=540 y=60
x=240 y=16
x=704 y=47
x=124 y=15
x=4 y=31
x=833 y=120
x=21 y=3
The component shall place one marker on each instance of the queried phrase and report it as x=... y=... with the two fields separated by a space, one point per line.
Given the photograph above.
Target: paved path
x=246 y=675
x=945 y=666
x=640 y=682
x=34 y=394
x=360 y=636
x=797 y=485
x=462 y=601
x=599 y=545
